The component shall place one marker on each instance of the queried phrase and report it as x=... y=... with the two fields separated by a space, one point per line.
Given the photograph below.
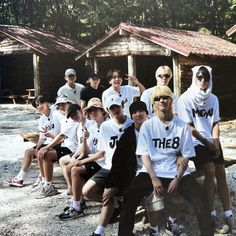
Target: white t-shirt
x=202 y=119
x=163 y=142
x=127 y=93
x=49 y=123
x=138 y=157
x=93 y=142
x=146 y=97
x=80 y=131
x=110 y=133
x=72 y=93
x=69 y=129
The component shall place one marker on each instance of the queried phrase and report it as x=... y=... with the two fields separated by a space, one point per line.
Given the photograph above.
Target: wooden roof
x=42 y=41
x=180 y=41
x=231 y=31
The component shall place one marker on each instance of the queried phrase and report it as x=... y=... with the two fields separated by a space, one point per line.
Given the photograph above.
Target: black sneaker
x=173 y=229
x=71 y=213
x=82 y=205
x=93 y=234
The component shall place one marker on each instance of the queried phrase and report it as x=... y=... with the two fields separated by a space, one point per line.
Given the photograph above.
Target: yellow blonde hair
x=161 y=90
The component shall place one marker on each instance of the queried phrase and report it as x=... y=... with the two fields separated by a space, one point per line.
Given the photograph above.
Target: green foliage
x=87 y=20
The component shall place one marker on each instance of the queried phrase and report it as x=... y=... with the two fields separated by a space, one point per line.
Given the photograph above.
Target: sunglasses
x=93 y=109
x=158 y=98
x=201 y=77
x=164 y=76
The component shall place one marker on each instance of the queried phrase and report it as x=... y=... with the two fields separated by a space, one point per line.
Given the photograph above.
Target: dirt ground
x=22 y=214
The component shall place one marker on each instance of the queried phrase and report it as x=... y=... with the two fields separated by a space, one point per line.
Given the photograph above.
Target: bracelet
x=178 y=177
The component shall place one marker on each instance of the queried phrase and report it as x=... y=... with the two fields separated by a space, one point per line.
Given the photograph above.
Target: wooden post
x=176 y=76
x=131 y=66
x=36 y=74
x=95 y=64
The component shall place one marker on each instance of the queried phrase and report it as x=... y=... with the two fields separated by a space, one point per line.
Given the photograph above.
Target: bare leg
x=222 y=186
x=64 y=161
x=154 y=218
x=50 y=158
x=28 y=156
x=40 y=164
x=77 y=181
x=106 y=213
x=209 y=172
x=92 y=191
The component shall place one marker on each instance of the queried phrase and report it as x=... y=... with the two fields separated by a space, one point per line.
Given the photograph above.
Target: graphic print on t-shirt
x=166 y=143
x=202 y=112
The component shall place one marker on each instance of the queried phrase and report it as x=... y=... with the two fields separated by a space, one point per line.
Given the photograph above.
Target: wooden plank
x=30 y=136
x=95 y=64
x=125 y=45
x=131 y=67
x=176 y=76
x=36 y=74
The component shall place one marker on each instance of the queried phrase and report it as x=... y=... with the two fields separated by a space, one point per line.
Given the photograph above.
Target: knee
x=29 y=153
x=74 y=171
x=209 y=172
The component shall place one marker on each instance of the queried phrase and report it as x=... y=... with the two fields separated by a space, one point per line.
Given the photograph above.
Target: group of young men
x=115 y=148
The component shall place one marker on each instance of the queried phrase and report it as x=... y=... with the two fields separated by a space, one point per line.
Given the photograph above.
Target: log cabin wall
x=51 y=73
x=224 y=84
x=16 y=73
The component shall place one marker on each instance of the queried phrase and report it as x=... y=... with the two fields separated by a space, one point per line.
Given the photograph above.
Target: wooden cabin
x=33 y=62
x=139 y=51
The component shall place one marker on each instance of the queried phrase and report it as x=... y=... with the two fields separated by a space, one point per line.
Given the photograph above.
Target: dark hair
x=38 y=100
x=110 y=73
x=204 y=71
x=137 y=106
x=72 y=109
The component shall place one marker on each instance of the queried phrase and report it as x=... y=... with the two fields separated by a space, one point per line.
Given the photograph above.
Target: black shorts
x=100 y=177
x=204 y=156
x=91 y=168
x=39 y=149
x=62 y=151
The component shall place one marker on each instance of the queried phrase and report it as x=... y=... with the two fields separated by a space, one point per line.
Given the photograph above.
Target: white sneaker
x=37 y=188
x=64 y=195
x=37 y=182
x=43 y=193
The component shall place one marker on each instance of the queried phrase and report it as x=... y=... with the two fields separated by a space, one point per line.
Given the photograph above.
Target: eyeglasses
x=164 y=76
x=158 y=98
x=201 y=77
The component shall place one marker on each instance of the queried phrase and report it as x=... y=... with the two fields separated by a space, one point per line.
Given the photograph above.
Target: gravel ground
x=22 y=214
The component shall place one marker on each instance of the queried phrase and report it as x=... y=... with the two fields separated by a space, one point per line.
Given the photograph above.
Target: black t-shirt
x=89 y=92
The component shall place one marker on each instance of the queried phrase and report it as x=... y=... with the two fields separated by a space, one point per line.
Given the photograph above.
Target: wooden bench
x=30 y=137
x=27 y=98
x=12 y=97
x=30 y=96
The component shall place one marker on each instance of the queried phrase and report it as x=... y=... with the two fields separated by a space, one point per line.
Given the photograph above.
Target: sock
x=100 y=230
x=213 y=213
x=47 y=185
x=21 y=175
x=43 y=180
x=76 y=205
x=228 y=213
x=156 y=228
x=172 y=219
